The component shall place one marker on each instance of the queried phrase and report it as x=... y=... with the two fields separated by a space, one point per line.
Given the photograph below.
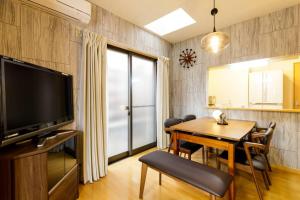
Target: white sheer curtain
x=92 y=106
x=162 y=100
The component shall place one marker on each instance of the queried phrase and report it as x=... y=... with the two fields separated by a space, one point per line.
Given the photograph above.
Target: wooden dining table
x=207 y=132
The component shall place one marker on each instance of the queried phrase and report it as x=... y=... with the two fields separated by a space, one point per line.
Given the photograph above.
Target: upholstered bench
x=211 y=180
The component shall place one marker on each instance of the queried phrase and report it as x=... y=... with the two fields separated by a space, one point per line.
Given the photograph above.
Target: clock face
x=187 y=58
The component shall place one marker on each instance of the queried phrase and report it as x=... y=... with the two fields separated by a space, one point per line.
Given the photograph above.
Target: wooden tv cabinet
x=49 y=172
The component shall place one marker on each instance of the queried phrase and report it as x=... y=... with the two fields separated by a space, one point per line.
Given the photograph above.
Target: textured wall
x=46 y=38
x=275 y=34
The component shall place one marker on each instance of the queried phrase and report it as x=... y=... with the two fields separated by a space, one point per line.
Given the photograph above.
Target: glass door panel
x=143 y=129
x=117 y=96
x=143 y=102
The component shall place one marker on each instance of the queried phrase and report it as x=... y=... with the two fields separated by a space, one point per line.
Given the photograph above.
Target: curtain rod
x=125 y=46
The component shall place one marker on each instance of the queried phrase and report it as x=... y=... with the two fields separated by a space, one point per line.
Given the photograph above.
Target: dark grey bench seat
x=206 y=178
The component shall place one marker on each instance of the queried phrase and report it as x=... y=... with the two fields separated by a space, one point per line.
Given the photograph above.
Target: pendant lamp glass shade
x=215 y=42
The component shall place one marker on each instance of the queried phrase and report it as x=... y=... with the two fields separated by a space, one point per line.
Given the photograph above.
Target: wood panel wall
x=44 y=37
x=272 y=35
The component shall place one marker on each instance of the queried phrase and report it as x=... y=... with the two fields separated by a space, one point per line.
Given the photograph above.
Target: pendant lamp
x=216 y=41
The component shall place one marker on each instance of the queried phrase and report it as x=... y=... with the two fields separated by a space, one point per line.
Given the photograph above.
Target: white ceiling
x=142 y=12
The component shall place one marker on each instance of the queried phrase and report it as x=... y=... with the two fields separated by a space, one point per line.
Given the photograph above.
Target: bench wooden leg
x=143 y=179
x=159 y=178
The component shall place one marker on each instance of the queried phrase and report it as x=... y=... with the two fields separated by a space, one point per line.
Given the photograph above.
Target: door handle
x=124 y=107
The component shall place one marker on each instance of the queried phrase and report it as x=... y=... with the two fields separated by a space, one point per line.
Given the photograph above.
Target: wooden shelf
x=28 y=148
x=256 y=109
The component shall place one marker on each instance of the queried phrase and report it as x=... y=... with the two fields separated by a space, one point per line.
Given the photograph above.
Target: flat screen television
x=34 y=100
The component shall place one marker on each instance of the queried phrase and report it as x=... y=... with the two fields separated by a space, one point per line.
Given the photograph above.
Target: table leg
x=231 y=170
x=175 y=142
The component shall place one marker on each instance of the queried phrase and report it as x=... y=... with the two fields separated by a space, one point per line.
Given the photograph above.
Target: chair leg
x=268 y=178
x=217 y=154
x=256 y=183
x=143 y=179
x=189 y=156
x=159 y=178
x=212 y=197
x=206 y=155
x=203 y=155
x=265 y=180
x=268 y=163
x=218 y=163
x=170 y=145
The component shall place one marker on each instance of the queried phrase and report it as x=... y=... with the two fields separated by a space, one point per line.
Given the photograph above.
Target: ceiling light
x=171 y=22
x=216 y=41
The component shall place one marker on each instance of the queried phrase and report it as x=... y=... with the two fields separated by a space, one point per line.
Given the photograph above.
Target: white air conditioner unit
x=78 y=9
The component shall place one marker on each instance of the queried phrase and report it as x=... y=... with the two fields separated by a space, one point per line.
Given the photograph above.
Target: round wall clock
x=187 y=58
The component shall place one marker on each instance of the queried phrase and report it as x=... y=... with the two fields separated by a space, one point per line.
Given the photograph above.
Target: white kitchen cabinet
x=273 y=87
x=255 y=88
x=266 y=88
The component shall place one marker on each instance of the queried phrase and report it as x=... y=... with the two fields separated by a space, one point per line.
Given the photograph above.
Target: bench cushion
x=201 y=176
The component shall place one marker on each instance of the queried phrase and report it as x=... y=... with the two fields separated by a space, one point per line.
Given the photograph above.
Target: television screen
x=33 y=97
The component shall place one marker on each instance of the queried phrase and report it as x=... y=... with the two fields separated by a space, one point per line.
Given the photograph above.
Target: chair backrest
x=266 y=140
x=171 y=122
x=272 y=125
x=189 y=118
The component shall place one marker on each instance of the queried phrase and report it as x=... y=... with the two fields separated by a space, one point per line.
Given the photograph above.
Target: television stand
x=47 y=173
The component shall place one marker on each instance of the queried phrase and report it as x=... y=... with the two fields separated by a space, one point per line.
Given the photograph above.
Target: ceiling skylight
x=171 y=22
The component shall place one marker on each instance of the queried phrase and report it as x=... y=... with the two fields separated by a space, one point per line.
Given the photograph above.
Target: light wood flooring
x=122 y=182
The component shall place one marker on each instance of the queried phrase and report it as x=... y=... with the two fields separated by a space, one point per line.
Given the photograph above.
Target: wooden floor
x=122 y=182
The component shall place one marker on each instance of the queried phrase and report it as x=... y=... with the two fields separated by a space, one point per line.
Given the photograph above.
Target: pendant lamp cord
x=214 y=17
x=213 y=12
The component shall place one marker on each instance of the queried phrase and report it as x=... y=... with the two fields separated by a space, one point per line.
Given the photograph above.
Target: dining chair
x=255 y=137
x=260 y=129
x=167 y=124
x=252 y=158
x=205 y=149
x=188 y=118
x=187 y=148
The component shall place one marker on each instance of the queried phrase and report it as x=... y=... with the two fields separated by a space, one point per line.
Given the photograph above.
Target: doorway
x=131 y=89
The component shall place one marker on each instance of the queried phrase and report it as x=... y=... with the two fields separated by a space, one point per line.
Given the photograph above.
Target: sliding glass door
x=143 y=102
x=117 y=97
x=131 y=103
